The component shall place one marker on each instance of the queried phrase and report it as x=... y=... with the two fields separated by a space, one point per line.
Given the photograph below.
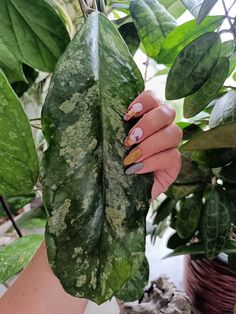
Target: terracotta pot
x=210 y=285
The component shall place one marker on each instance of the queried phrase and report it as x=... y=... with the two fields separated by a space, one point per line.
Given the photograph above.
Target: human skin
x=37 y=290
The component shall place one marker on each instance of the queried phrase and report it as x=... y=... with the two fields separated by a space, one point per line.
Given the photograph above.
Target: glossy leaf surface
x=214 y=158
x=224 y=110
x=129 y=33
x=164 y=210
x=182 y=35
x=15 y=256
x=216 y=222
x=96 y=228
x=197 y=102
x=193 y=66
x=11 y=67
x=33 y=31
x=193 y=6
x=188 y=217
x=18 y=158
x=174 y=7
x=153 y=23
x=218 y=137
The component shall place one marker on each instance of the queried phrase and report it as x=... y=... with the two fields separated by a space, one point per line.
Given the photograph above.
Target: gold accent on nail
x=132 y=157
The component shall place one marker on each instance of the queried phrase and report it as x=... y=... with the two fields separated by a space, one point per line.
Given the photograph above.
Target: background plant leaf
x=96 y=228
x=153 y=23
x=134 y=288
x=15 y=256
x=193 y=6
x=130 y=35
x=224 y=110
x=218 y=137
x=205 y=9
x=193 y=66
x=18 y=158
x=182 y=35
x=174 y=7
x=197 y=102
x=11 y=67
x=188 y=216
x=33 y=32
x=216 y=222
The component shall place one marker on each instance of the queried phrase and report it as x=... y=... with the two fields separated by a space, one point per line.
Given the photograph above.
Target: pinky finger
x=163 y=179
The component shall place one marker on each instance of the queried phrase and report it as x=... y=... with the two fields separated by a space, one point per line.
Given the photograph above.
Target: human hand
x=157 y=138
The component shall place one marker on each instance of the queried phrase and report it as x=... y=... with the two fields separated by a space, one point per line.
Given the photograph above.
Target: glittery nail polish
x=134 y=168
x=132 y=157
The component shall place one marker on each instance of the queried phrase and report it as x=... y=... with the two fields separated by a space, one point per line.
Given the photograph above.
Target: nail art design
x=134 y=168
x=132 y=157
x=133 y=137
x=133 y=111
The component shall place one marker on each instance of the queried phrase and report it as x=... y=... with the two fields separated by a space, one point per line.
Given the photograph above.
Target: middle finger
x=151 y=122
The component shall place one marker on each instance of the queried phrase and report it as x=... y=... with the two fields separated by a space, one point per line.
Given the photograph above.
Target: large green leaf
x=33 y=31
x=18 y=157
x=193 y=6
x=216 y=222
x=193 y=66
x=11 y=67
x=174 y=7
x=15 y=256
x=224 y=110
x=205 y=9
x=153 y=23
x=182 y=35
x=222 y=136
x=96 y=228
x=197 y=102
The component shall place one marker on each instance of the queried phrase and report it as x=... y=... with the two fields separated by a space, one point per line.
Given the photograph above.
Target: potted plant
x=200 y=205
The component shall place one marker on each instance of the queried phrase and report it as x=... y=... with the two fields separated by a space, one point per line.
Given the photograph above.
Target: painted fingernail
x=134 y=168
x=134 y=137
x=132 y=157
x=133 y=111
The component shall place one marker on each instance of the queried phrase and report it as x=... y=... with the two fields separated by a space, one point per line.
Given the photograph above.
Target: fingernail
x=134 y=137
x=133 y=111
x=134 y=168
x=132 y=157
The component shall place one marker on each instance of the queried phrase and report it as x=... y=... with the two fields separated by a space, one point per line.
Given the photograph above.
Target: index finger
x=145 y=102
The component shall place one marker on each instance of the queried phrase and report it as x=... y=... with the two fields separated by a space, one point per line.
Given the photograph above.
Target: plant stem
x=36 y=127
x=87 y=7
x=232 y=5
x=10 y=216
x=226 y=13
x=35 y=119
x=146 y=70
x=232 y=87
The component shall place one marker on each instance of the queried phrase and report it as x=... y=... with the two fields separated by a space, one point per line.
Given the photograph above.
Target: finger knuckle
x=177 y=131
x=151 y=96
